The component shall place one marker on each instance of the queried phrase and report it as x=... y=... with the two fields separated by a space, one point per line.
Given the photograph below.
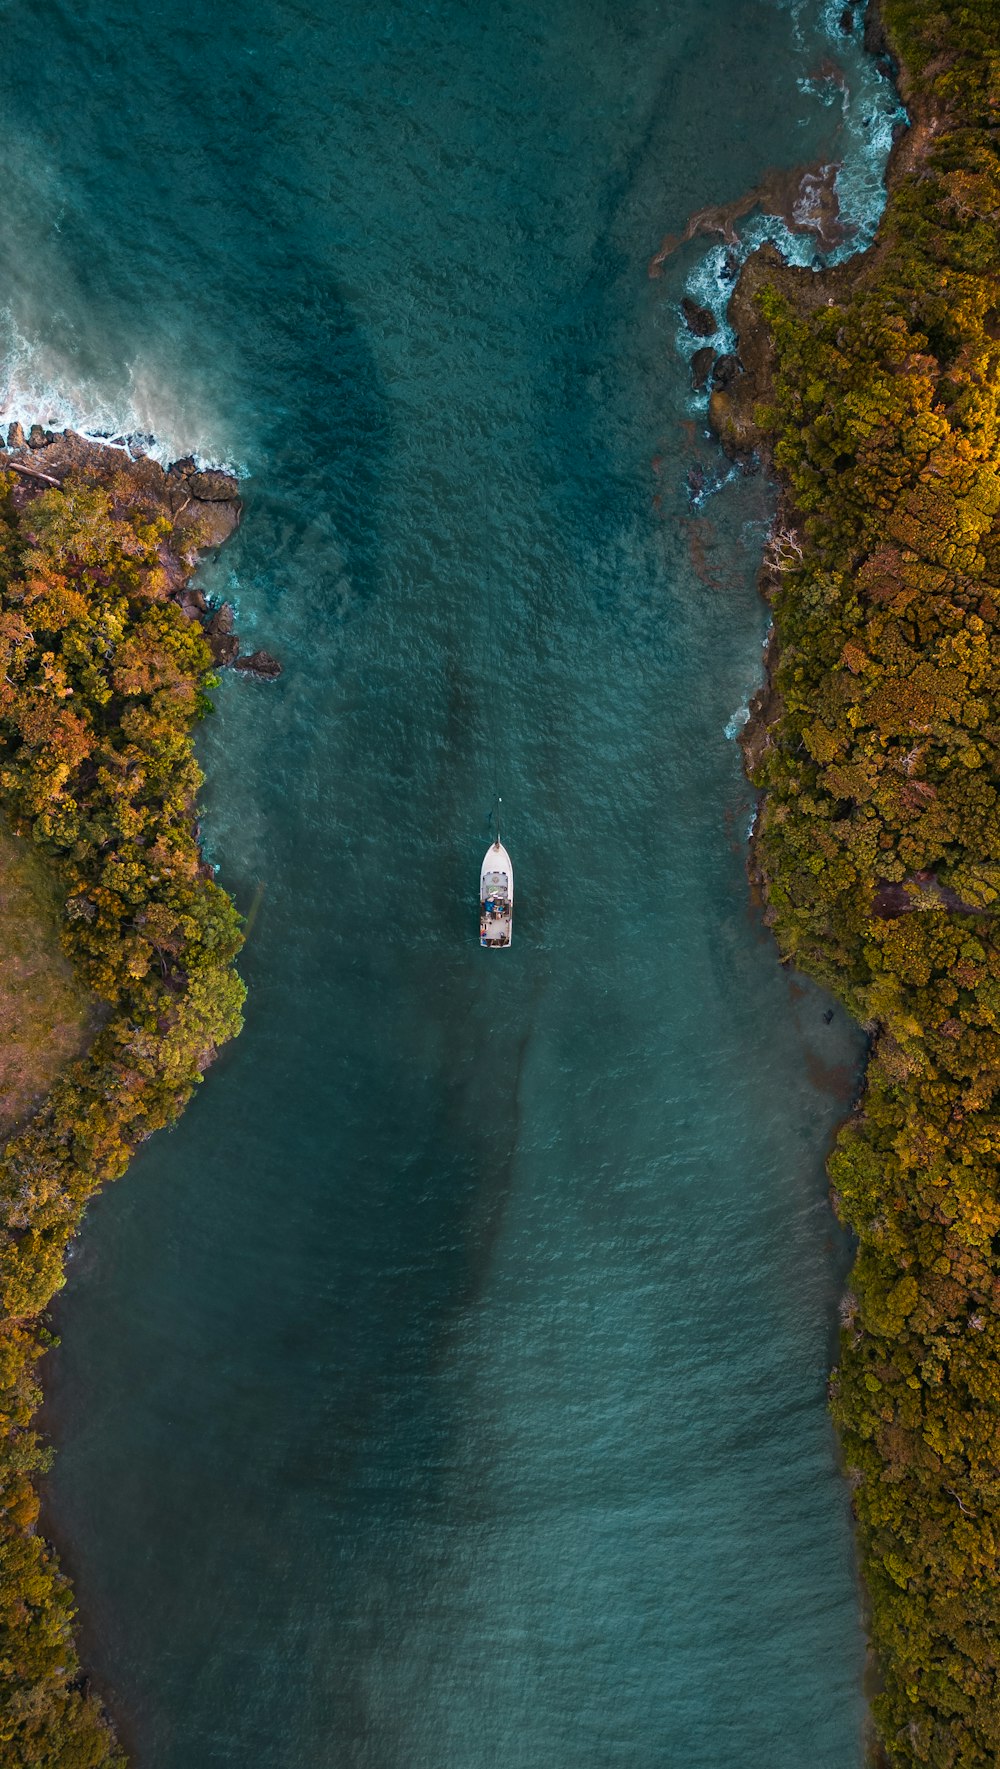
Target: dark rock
x=175 y=571
x=37 y=437
x=766 y=708
x=699 y=320
x=223 y=620
x=260 y=664
x=726 y=369
x=192 y=604
x=206 y=504
x=225 y=648
x=213 y=486
x=847 y=21
x=15 y=436
x=213 y=522
x=875 y=40
x=701 y=367
x=181 y=469
x=696 y=480
x=734 y=428
x=223 y=643
x=208 y=524
x=730 y=266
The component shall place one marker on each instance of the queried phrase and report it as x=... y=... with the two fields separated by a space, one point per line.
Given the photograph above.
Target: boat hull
x=496 y=898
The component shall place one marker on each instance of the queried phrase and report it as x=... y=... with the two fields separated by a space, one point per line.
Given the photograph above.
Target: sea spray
x=40 y=383
x=870 y=115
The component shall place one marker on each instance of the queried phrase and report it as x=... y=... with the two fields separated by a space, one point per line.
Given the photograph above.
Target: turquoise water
x=447 y=1391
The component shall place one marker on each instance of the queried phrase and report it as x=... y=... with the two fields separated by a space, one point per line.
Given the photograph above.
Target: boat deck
x=494 y=929
x=496 y=897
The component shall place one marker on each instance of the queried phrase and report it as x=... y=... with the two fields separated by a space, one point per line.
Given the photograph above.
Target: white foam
x=826 y=91
x=871 y=111
x=40 y=385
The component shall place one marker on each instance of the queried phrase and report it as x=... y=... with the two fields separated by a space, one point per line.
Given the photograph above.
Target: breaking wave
x=41 y=384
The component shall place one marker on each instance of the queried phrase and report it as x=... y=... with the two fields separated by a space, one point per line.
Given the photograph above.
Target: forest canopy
x=879 y=842
x=102 y=678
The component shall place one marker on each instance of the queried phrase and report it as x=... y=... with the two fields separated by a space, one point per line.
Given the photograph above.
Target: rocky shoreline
x=869 y=391
x=805 y=198
x=742 y=382
x=739 y=382
x=109 y=658
x=202 y=505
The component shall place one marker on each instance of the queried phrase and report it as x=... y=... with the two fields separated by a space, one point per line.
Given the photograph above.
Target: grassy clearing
x=46 y=1015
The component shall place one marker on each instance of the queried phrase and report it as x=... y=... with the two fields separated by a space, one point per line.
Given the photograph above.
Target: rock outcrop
x=260 y=664
x=699 y=320
x=701 y=367
x=203 y=505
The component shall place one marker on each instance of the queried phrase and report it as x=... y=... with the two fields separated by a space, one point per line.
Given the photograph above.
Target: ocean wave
x=734 y=725
x=871 y=113
x=41 y=385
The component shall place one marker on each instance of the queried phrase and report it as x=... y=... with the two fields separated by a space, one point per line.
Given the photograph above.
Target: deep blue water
x=447 y=1391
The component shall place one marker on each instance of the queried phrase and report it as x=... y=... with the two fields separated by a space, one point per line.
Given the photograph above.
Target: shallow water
x=447 y=1391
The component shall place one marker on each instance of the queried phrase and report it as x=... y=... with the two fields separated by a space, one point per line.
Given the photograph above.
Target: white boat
x=496 y=897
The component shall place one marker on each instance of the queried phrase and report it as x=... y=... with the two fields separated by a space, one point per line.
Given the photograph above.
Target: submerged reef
x=106 y=663
x=874 y=390
x=806 y=199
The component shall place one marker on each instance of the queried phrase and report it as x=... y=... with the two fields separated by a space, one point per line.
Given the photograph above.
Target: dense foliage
x=880 y=844
x=101 y=681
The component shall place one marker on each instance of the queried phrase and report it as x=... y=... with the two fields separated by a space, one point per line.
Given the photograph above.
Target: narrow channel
x=447 y=1391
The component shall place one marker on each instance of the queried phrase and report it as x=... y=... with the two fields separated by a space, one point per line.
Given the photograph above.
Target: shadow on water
x=279 y=361
x=575 y=365
x=426 y=1395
